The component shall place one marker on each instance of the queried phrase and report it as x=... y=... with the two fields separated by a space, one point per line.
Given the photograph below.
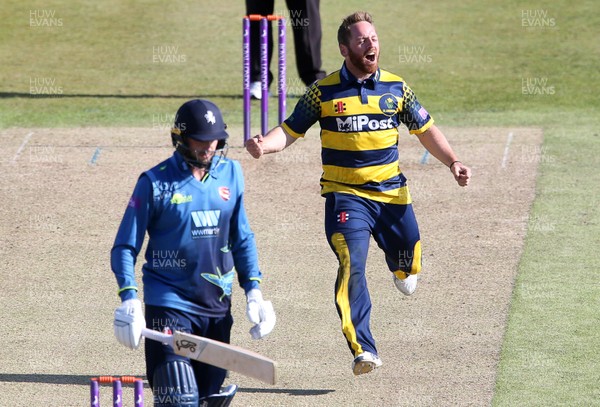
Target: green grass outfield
x=480 y=63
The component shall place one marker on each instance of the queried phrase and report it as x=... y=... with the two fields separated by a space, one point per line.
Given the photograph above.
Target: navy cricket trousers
x=350 y=221
x=208 y=378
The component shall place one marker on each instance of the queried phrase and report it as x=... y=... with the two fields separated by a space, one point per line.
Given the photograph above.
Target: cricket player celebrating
x=359 y=109
x=192 y=207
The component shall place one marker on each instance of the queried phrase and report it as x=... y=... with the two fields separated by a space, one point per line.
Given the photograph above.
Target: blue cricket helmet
x=200 y=120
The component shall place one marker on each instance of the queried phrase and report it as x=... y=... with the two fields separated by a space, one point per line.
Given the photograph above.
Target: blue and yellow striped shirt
x=359 y=132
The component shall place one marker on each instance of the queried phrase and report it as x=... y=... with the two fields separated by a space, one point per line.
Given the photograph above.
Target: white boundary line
x=505 y=156
x=22 y=146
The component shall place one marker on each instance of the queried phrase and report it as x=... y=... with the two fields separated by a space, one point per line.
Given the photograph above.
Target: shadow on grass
x=84 y=380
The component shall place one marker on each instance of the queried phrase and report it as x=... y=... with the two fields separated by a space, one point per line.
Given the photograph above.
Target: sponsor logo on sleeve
x=134 y=202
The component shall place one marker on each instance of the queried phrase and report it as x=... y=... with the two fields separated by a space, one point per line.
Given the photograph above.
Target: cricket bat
x=219 y=354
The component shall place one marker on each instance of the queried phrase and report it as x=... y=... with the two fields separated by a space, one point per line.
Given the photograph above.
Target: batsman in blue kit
x=192 y=208
x=359 y=109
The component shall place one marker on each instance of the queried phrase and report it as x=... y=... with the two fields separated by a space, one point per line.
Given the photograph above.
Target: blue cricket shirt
x=198 y=238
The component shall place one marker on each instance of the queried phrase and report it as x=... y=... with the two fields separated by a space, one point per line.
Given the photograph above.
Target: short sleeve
x=306 y=113
x=413 y=115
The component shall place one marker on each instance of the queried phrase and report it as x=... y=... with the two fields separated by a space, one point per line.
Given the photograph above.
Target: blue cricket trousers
x=208 y=378
x=350 y=221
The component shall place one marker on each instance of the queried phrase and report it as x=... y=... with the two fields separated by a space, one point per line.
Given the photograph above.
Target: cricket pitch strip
x=64 y=192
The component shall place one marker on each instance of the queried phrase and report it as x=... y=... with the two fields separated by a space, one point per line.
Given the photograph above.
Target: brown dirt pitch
x=63 y=192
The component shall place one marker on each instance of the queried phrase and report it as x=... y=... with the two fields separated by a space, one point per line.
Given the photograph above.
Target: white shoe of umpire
x=365 y=362
x=406 y=286
x=255 y=90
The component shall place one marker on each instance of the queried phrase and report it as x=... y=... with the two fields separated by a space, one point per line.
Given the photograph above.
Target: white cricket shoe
x=365 y=362
x=406 y=286
x=255 y=90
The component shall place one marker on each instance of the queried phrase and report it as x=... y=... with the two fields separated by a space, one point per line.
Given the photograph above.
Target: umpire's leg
x=305 y=19
x=262 y=7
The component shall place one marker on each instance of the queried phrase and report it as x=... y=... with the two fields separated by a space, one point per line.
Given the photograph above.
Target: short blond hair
x=344 y=30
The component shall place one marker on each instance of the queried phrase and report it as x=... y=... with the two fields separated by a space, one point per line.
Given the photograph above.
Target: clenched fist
x=254 y=146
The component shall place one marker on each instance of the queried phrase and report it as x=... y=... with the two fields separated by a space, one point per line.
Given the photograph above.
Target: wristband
x=130 y=287
x=453 y=162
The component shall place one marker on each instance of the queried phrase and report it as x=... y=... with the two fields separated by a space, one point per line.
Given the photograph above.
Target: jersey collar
x=181 y=164
x=347 y=79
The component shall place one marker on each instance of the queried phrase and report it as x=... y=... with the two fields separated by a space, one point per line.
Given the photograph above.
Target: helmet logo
x=210 y=117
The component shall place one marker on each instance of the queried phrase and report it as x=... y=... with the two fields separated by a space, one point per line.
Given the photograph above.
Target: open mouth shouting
x=366 y=62
x=371 y=56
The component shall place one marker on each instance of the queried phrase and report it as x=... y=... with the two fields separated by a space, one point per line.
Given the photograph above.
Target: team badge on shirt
x=388 y=104
x=342 y=217
x=224 y=193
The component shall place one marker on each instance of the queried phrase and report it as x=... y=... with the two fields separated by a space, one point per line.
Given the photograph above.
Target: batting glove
x=129 y=322
x=260 y=313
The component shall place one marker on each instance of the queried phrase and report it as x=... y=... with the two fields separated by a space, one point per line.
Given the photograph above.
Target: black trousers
x=305 y=19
